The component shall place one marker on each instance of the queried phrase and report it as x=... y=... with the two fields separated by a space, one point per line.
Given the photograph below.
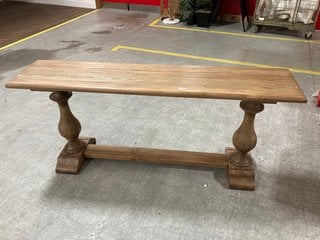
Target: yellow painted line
x=154 y=24
x=219 y=60
x=46 y=30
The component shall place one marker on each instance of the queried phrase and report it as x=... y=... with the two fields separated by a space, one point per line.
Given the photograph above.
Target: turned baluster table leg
x=71 y=158
x=241 y=165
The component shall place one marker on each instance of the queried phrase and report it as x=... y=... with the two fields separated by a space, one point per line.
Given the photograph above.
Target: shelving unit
x=298 y=15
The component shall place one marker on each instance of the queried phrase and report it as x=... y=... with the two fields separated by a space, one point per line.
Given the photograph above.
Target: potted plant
x=203 y=13
x=187 y=8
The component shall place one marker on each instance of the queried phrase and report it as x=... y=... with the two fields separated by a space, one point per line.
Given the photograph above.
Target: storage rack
x=298 y=15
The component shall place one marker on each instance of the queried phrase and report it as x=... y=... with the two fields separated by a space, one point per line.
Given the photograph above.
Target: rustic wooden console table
x=252 y=86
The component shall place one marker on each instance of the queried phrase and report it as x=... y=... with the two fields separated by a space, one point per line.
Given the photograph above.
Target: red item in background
x=233 y=7
x=318 y=99
x=318 y=23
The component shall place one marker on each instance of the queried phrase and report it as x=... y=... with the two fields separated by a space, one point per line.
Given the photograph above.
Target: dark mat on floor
x=19 y=19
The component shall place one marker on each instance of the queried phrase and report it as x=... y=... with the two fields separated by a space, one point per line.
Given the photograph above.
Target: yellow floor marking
x=46 y=30
x=154 y=24
x=219 y=60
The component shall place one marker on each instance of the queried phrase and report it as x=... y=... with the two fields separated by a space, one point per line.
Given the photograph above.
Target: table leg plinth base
x=71 y=163
x=240 y=178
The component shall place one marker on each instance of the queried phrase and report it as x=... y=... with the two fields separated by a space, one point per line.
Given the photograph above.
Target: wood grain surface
x=252 y=84
x=212 y=160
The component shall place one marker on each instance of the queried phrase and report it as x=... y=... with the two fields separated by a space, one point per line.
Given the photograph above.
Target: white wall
x=73 y=3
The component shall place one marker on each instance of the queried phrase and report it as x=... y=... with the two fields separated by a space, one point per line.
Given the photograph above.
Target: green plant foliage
x=186 y=10
x=204 y=5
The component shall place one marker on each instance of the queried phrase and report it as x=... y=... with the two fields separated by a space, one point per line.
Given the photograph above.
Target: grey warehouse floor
x=125 y=200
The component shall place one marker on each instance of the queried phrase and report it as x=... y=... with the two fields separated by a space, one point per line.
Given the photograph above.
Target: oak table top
x=191 y=81
x=253 y=86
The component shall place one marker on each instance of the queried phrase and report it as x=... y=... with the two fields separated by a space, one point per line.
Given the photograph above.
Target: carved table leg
x=241 y=166
x=71 y=158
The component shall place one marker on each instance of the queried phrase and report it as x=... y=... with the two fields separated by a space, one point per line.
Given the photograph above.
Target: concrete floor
x=123 y=200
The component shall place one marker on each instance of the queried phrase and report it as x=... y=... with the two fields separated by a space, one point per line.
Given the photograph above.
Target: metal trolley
x=299 y=15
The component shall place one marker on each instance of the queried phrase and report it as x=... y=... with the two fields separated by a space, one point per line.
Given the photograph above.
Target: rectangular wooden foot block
x=241 y=178
x=71 y=163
